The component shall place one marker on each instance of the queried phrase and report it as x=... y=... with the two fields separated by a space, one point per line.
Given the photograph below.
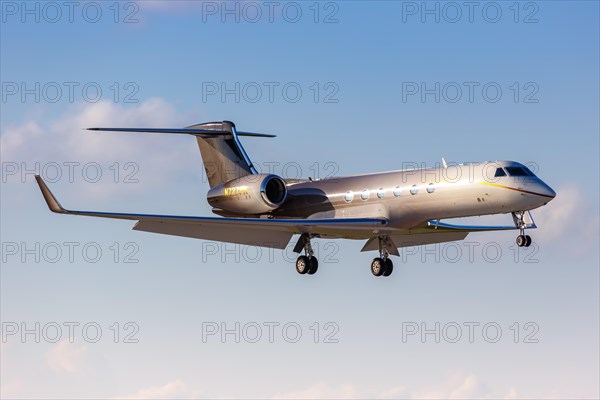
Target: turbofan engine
x=250 y=194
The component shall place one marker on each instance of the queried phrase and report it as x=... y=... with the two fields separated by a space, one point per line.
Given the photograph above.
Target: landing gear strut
x=382 y=265
x=307 y=263
x=523 y=240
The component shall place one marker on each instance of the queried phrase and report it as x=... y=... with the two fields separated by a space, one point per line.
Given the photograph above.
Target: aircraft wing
x=275 y=233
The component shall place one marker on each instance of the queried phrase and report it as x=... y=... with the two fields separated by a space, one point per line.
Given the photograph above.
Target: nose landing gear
x=523 y=240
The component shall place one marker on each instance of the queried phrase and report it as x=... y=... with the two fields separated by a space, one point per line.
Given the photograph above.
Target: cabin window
x=499 y=172
x=414 y=190
x=517 y=171
x=397 y=191
x=365 y=194
x=381 y=193
x=431 y=188
x=348 y=196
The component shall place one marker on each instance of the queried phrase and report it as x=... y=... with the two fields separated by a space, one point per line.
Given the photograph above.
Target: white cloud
x=569 y=218
x=512 y=394
x=321 y=391
x=399 y=392
x=9 y=390
x=9 y=386
x=65 y=135
x=66 y=357
x=64 y=140
x=457 y=386
x=176 y=389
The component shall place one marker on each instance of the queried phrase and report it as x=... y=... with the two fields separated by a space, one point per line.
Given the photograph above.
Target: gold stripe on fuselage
x=512 y=188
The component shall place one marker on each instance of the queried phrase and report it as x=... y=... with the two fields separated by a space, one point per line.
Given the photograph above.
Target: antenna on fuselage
x=444 y=163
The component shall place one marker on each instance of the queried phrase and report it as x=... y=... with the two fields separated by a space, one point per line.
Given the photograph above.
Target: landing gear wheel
x=527 y=240
x=389 y=267
x=521 y=240
x=314 y=265
x=302 y=265
x=377 y=266
x=306 y=264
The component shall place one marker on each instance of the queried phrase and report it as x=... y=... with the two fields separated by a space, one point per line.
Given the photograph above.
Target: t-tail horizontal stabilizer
x=188 y=131
x=222 y=152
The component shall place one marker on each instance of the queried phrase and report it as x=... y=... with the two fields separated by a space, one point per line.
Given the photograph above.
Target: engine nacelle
x=251 y=194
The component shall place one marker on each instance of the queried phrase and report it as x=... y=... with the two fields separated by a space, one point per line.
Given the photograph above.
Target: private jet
x=387 y=210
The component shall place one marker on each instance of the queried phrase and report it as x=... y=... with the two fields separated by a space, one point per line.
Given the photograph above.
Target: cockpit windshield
x=518 y=171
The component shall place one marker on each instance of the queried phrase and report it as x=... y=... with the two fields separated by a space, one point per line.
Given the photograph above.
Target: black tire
x=377 y=266
x=527 y=240
x=314 y=265
x=521 y=240
x=389 y=267
x=302 y=265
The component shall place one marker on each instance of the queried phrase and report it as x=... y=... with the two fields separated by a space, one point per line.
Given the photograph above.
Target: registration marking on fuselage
x=236 y=191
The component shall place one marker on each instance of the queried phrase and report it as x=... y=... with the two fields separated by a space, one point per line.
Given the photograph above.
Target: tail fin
x=223 y=156
x=222 y=153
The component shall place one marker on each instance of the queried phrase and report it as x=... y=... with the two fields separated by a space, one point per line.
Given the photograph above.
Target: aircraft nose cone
x=548 y=191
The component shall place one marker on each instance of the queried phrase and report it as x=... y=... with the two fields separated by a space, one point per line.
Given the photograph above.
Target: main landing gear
x=307 y=263
x=523 y=240
x=382 y=265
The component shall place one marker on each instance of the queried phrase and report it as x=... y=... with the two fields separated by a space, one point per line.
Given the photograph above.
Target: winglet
x=53 y=204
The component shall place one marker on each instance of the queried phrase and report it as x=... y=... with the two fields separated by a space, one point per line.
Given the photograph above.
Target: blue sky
x=363 y=118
